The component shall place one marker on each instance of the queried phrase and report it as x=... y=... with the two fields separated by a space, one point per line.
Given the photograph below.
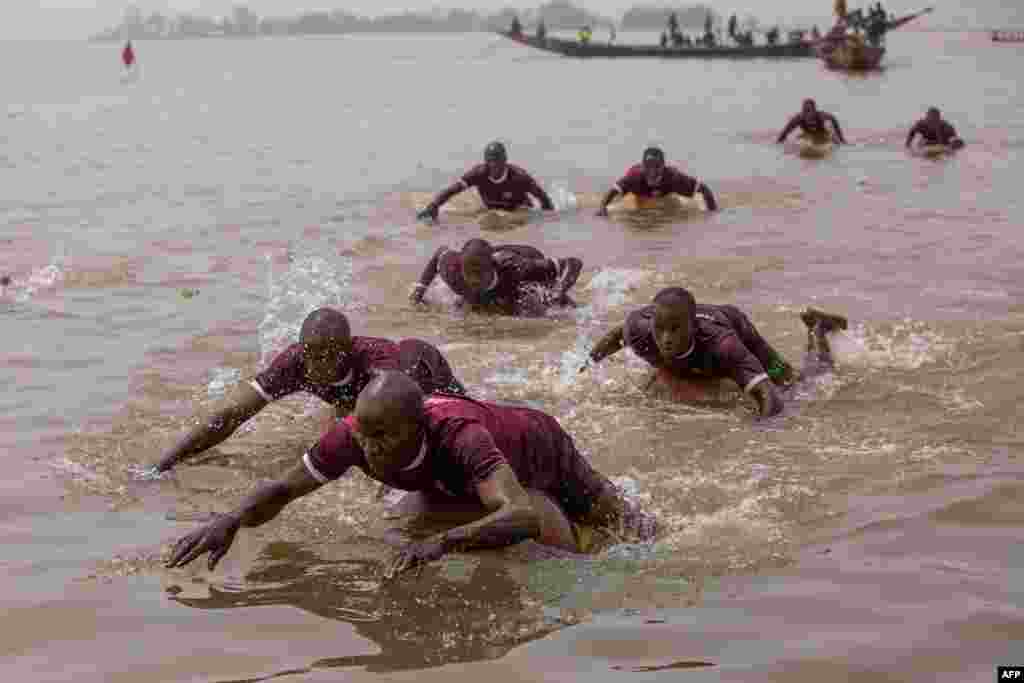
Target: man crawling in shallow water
x=690 y=343
x=508 y=474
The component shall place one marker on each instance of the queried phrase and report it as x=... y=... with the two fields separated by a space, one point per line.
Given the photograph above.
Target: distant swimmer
x=500 y=185
x=512 y=279
x=496 y=474
x=128 y=55
x=654 y=178
x=5 y=281
x=813 y=122
x=934 y=130
x=686 y=340
x=327 y=362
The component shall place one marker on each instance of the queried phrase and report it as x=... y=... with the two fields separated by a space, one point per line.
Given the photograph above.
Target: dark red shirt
x=466 y=442
x=286 y=374
x=940 y=134
x=725 y=344
x=516 y=266
x=672 y=181
x=509 y=192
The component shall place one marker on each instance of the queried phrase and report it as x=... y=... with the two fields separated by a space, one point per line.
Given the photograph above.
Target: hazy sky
x=79 y=18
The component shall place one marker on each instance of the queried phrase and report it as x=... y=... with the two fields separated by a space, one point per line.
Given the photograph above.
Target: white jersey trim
x=754 y=382
x=259 y=390
x=313 y=471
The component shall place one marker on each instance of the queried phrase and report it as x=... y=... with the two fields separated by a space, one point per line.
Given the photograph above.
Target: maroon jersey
x=465 y=442
x=672 y=181
x=516 y=266
x=509 y=192
x=420 y=360
x=725 y=344
x=940 y=134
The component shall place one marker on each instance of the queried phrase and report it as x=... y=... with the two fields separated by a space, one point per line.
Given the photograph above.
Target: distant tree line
x=556 y=14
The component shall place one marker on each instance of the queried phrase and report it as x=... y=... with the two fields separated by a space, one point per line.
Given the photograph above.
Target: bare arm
x=914 y=130
x=429 y=273
x=259 y=507
x=609 y=197
x=709 y=198
x=793 y=123
x=609 y=344
x=542 y=196
x=838 y=129
x=512 y=519
x=432 y=208
x=243 y=403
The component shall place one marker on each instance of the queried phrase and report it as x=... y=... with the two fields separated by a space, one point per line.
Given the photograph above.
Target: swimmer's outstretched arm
x=443 y=196
x=609 y=197
x=793 y=123
x=243 y=403
x=512 y=519
x=914 y=130
x=259 y=507
x=709 y=199
x=609 y=344
x=429 y=273
x=541 y=195
x=838 y=129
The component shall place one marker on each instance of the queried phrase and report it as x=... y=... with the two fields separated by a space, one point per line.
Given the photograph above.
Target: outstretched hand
x=602 y=212
x=429 y=213
x=414 y=554
x=215 y=538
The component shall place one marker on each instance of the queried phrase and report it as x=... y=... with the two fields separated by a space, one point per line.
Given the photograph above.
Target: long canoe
x=572 y=48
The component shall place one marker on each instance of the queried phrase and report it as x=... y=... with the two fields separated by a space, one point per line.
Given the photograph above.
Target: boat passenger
x=502 y=474
x=652 y=177
x=934 y=130
x=500 y=185
x=328 y=362
x=812 y=122
x=686 y=341
x=511 y=279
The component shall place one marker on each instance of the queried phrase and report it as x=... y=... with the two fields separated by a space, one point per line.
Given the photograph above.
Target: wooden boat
x=573 y=48
x=859 y=47
x=1008 y=36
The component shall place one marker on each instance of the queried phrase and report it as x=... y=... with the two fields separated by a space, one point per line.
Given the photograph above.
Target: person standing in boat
x=128 y=55
x=542 y=30
x=934 y=130
x=813 y=122
x=500 y=185
x=654 y=178
x=516 y=29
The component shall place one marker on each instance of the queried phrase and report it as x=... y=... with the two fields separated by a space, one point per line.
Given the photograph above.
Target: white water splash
x=222 y=380
x=43 y=278
x=309 y=282
x=908 y=345
x=563 y=198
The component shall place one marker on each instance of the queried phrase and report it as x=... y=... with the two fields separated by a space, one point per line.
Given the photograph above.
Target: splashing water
x=309 y=282
x=223 y=378
x=908 y=345
x=43 y=278
x=563 y=198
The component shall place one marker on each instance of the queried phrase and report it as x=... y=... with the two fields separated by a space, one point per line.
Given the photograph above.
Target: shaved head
x=477 y=267
x=477 y=251
x=325 y=324
x=676 y=299
x=390 y=396
x=675 y=320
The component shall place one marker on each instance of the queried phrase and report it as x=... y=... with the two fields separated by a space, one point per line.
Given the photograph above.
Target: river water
x=166 y=234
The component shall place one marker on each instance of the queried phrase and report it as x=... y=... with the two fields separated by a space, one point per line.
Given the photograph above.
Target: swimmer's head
x=389 y=421
x=654 y=165
x=326 y=340
x=477 y=268
x=496 y=158
x=5 y=281
x=933 y=114
x=809 y=106
x=674 y=321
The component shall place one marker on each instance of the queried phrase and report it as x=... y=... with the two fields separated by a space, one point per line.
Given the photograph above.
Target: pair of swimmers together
x=502 y=474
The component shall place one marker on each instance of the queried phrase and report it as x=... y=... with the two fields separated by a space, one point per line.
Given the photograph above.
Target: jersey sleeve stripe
x=259 y=390
x=754 y=382
x=313 y=471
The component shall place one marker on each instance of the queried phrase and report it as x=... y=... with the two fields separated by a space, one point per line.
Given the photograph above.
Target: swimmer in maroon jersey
x=512 y=279
x=934 y=130
x=500 y=185
x=687 y=340
x=508 y=473
x=812 y=122
x=654 y=178
x=327 y=362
